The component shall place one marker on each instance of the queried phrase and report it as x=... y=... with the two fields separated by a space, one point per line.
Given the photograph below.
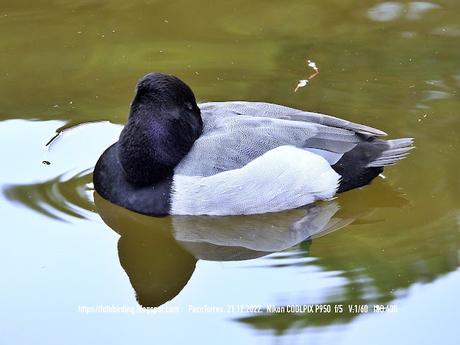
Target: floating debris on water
x=52 y=139
x=46 y=162
x=304 y=82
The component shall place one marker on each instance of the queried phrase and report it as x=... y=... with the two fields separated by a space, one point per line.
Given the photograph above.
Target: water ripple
x=64 y=198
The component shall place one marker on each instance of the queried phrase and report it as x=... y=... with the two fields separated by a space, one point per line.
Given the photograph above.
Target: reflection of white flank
x=263 y=233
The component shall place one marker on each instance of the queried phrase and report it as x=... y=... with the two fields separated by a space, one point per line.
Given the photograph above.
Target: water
x=391 y=65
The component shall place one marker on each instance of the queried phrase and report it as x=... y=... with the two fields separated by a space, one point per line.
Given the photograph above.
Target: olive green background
x=391 y=65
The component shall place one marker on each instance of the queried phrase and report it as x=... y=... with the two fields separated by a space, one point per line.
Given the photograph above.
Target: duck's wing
x=236 y=133
x=270 y=110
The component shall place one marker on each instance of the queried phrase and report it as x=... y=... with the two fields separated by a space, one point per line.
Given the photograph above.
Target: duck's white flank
x=283 y=178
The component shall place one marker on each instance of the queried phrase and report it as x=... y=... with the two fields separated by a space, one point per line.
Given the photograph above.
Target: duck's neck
x=154 y=141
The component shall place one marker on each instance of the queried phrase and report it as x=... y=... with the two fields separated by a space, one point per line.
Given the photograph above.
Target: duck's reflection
x=147 y=243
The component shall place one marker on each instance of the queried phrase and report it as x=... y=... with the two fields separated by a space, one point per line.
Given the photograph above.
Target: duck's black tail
x=365 y=161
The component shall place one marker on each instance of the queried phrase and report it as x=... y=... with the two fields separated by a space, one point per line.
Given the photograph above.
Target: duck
x=177 y=157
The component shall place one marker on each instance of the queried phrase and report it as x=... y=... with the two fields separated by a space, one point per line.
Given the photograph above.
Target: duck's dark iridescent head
x=164 y=122
x=165 y=91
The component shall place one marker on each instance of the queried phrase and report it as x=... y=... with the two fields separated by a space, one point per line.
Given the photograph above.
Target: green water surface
x=67 y=254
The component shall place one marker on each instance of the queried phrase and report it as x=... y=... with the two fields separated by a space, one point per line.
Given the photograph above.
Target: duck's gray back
x=235 y=133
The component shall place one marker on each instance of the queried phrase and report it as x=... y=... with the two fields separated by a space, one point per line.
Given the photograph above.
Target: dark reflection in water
x=159 y=254
x=158 y=268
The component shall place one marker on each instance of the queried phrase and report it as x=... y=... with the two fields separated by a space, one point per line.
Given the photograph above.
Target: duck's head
x=164 y=122
x=164 y=91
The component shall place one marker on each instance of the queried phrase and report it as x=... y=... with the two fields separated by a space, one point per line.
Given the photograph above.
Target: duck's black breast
x=110 y=183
